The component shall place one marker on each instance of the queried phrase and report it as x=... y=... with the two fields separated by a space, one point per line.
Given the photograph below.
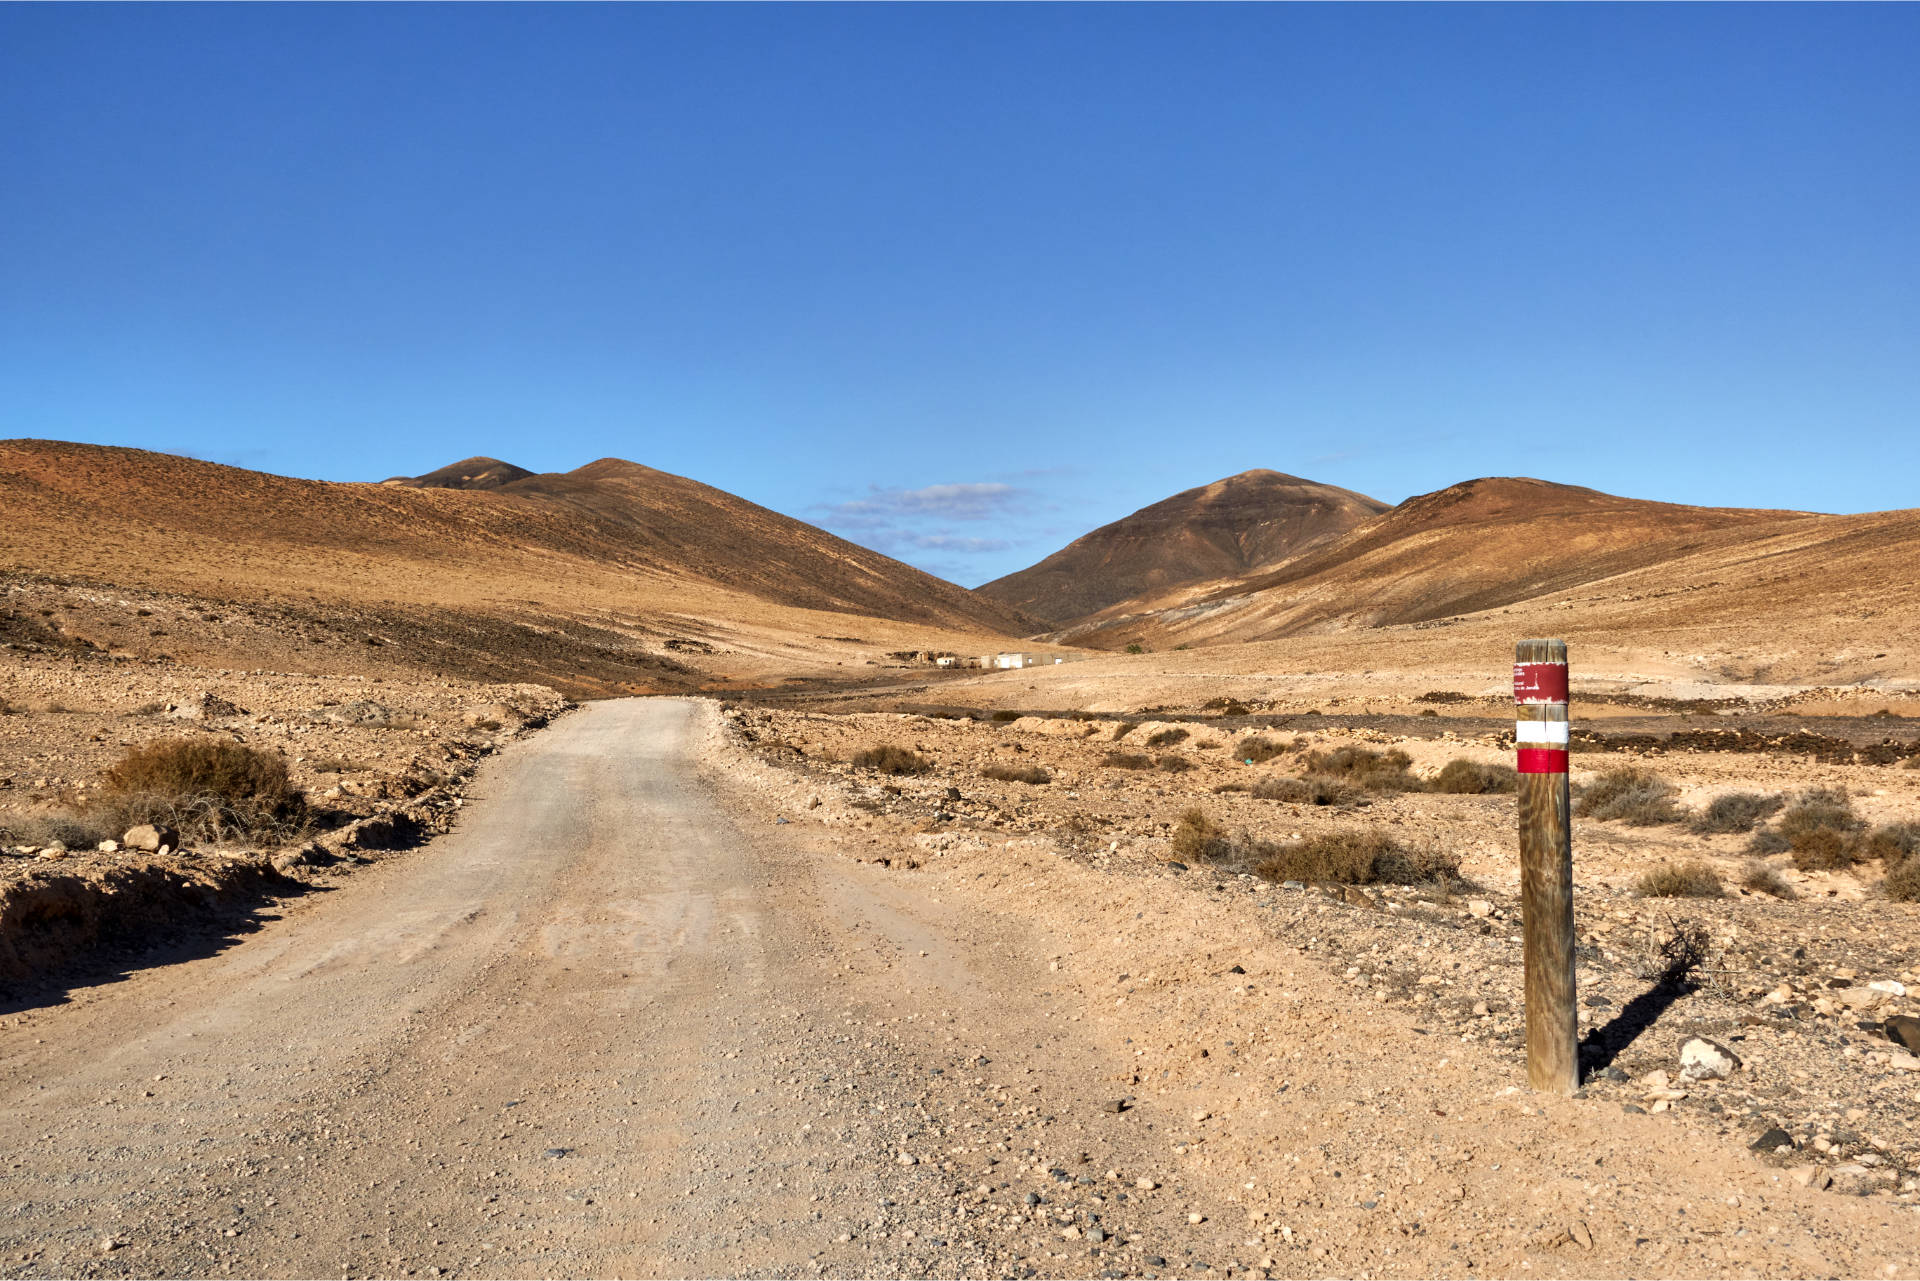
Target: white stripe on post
x=1541 y=732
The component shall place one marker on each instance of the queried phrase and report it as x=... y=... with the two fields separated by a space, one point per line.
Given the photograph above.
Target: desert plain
x=640 y=898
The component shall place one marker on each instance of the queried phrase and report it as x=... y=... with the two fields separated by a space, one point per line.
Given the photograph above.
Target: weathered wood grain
x=1546 y=905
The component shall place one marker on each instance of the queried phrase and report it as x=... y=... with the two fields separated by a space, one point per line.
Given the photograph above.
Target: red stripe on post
x=1539 y=682
x=1542 y=760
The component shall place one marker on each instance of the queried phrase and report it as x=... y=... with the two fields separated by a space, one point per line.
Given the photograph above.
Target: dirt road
x=625 y=1021
x=596 y=1031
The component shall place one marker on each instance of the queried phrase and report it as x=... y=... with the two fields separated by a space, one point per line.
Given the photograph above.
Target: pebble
x=1145 y=1185
x=108 y=1245
x=558 y=1152
x=1196 y=1217
x=1155 y=1261
x=1115 y=1105
x=907 y=1158
x=1772 y=1141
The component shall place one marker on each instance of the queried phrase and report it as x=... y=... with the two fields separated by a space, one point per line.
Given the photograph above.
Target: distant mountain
x=470 y=473
x=479 y=569
x=1222 y=530
x=1479 y=545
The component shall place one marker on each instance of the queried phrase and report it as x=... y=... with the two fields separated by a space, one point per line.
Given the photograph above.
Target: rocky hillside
x=613 y=577
x=1499 y=543
x=1222 y=530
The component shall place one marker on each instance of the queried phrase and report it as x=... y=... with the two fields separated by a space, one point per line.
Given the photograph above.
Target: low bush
x=1736 y=812
x=148 y=709
x=1126 y=760
x=1821 y=830
x=1764 y=878
x=1198 y=839
x=1258 y=749
x=1167 y=737
x=889 y=759
x=1018 y=773
x=1463 y=777
x=1365 y=768
x=1903 y=881
x=1173 y=764
x=1315 y=789
x=1136 y=648
x=1891 y=844
x=1226 y=706
x=1353 y=858
x=1222 y=788
x=76 y=831
x=1006 y=714
x=207 y=788
x=1628 y=794
x=1692 y=879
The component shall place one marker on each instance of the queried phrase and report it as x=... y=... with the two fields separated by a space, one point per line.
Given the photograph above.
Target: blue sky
x=964 y=282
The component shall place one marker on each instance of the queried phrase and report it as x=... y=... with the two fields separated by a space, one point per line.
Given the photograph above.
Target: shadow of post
x=1683 y=953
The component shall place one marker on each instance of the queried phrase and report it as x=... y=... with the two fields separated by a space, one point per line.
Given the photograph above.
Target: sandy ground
x=625 y=1020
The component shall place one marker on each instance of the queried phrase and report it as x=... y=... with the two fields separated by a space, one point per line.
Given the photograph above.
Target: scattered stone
x=1772 y=1141
x=1145 y=1185
x=1096 y=1235
x=907 y=1158
x=1479 y=907
x=1704 y=1060
x=108 y=847
x=1812 y=1176
x=1114 y=1105
x=1196 y=1217
x=558 y=1152
x=149 y=837
x=1155 y=1261
x=108 y=1245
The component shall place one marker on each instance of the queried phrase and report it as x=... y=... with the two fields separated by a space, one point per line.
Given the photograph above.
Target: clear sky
x=964 y=282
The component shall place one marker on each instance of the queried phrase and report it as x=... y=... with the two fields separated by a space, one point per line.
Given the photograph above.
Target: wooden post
x=1546 y=863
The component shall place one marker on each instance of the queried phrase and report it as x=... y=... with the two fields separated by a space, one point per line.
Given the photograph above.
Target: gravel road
x=597 y=1030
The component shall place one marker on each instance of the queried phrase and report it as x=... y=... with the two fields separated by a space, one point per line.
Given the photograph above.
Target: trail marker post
x=1546 y=862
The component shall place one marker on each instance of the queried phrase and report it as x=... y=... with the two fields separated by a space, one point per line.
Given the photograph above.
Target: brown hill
x=1480 y=545
x=1222 y=530
x=611 y=577
x=469 y=473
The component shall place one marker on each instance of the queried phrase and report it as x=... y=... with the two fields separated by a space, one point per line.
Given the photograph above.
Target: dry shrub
x=1258 y=749
x=889 y=759
x=1763 y=878
x=1167 y=737
x=1173 y=764
x=1352 y=857
x=76 y=831
x=1736 y=812
x=1821 y=830
x=1197 y=838
x=1225 y=706
x=1463 y=777
x=1126 y=760
x=207 y=788
x=1629 y=794
x=1315 y=789
x=1903 y=881
x=335 y=765
x=1362 y=767
x=1006 y=714
x=1691 y=879
x=1892 y=844
x=1220 y=789
x=1017 y=773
